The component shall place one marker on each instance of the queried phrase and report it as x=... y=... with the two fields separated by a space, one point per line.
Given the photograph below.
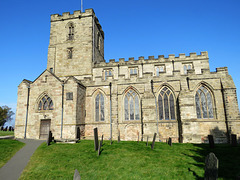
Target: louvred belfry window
x=166 y=104
x=45 y=103
x=204 y=105
x=71 y=32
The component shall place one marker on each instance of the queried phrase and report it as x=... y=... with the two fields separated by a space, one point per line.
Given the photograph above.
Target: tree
x=5 y=114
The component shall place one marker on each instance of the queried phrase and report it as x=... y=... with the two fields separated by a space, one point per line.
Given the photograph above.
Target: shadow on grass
x=228 y=159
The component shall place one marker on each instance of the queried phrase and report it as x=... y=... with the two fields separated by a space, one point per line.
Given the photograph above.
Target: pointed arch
x=166 y=104
x=99 y=105
x=71 y=30
x=204 y=101
x=131 y=103
x=44 y=102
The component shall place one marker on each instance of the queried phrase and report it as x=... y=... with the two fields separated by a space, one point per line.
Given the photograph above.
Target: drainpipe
x=25 y=132
x=62 y=110
x=93 y=36
x=110 y=86
x=155 y=104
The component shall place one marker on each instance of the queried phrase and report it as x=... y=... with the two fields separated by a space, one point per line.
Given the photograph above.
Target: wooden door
x=45 y=128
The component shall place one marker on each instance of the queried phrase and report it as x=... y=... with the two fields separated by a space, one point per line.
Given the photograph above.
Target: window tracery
x=99 y=107
x=166 y=104
x=71 y=32
x=131 y=106
x=45 y=103
x=204 y=104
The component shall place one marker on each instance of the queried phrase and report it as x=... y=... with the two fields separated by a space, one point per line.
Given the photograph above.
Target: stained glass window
x=166 y=104
x=204 y=105
x=131 y=106
x=99 y=107
x=45 y=103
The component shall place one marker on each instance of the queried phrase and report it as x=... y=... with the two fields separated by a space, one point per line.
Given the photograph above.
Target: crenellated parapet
x=152 y=59
x=77 y=15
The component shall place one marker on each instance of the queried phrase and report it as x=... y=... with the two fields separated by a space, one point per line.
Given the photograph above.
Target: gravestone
x=234 y=140
x=6 y=128
x=170 y=141
x=211 y=167
x=2 y=128
x=147 y=141
x=76 y=175
x=78 y=133
x=99 y=148
x=211 y=141
x=49 y=139
x=96 y=138
x=118 y=136
x=153 y=142
x=10 y=128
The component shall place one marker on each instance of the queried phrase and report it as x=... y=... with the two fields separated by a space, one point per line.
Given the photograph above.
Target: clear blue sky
x=132 y=28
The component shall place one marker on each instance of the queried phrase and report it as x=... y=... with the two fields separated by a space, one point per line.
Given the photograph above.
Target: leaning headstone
x=211 y=167
x=76 y=175
x=2 y=128
x=6 y=128
x=211 y=141
x=78 y=133
x=170 y=141
x=49 y=138
x=153 y=142
x=234 y=140
x=96 y=139
x=147 y=141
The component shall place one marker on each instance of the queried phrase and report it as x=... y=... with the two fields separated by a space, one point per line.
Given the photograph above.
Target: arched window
x=99 y=107
x=166 y=104
x=45 y=103
x=131 y=106
x=204 y=105
x=70 y=32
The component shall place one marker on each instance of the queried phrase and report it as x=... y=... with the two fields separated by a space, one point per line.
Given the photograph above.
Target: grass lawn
x=129 y=160
x=6 y=133
x=7 y=149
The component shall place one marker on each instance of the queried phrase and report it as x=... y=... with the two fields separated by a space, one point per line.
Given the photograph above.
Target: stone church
x=175 y=97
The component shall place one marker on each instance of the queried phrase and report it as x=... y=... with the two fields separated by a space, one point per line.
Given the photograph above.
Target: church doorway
x=44 y=128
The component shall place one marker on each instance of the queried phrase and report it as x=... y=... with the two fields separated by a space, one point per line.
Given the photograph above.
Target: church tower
x=76 y=44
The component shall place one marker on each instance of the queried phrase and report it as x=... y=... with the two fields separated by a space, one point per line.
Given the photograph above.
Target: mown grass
x=6 y=133
x=7 y=149
x=129 y=160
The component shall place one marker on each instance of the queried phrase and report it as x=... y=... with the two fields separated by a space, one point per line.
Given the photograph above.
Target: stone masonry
x=80 y=89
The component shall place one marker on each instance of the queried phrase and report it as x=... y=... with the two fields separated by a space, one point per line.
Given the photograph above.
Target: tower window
x=71 y=32
x=159 y=69
x=70 y=53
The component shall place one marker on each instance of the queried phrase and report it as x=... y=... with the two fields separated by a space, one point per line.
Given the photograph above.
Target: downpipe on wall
x=110 y=86
x=62 y=110
x=25 y=132
x=155 y=105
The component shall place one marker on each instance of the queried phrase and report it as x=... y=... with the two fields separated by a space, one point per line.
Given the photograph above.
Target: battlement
x=152 y=59
x=76 y=14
